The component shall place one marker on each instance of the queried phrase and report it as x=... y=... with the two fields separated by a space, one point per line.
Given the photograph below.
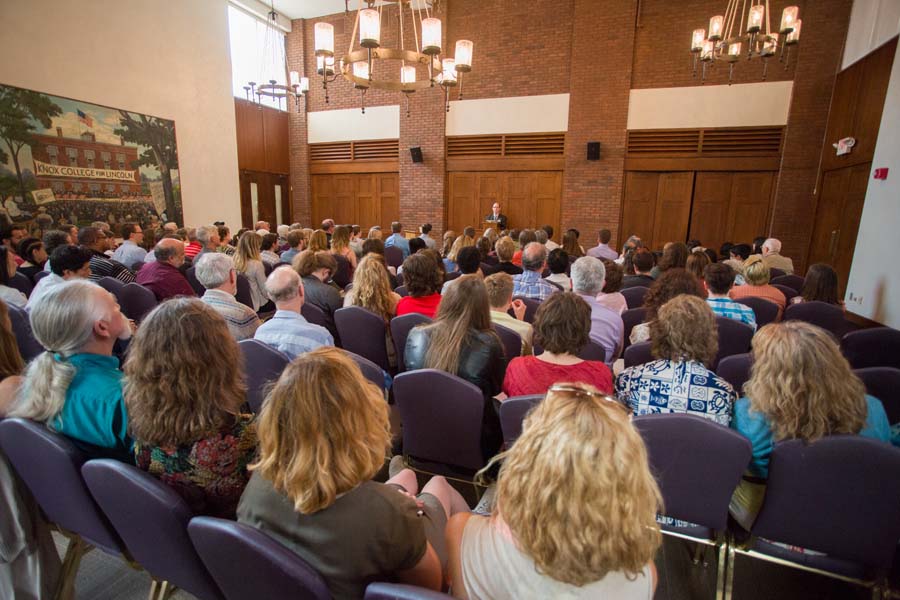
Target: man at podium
x=496 y=217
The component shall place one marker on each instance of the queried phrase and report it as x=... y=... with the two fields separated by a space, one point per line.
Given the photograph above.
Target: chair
x=788 y=292
x=402 y=291
x=243 y=294
x=697 y=465
x=314 y=314
x=362 y=332
x=822 y=497
x=191 y=276
x=884 y=384
x=40 y=275
x=512 y=341
x=113 y=286
x=21 y=327
x=775 y=273
x=531 y=307
x=637 y=354
x=630 y=318
x=137 y=301
x=634 y=296
x=795 y=282
x=262 y=365
x=735 y=369
x=734 y=338
x=875 y=347
x=397 y=591
x=764 y=310
x=442 y=420
x=592 y=351
x=342 y=275
x=370 y=370
x=248 y=564
x=20 y=281
x=827 y=316
x=512 y=413
x=152 y=519
x=400 y=328
x=393 y=256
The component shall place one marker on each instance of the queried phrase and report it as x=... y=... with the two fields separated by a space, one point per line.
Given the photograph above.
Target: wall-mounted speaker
x=416 y=153
x=593 y=150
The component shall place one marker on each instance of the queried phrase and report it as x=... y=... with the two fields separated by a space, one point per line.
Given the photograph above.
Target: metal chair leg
x=722 y=566
x=699 y=552
x=729 y=573
x=65 y=585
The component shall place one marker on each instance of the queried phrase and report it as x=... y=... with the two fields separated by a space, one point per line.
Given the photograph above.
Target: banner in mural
x=63 y=161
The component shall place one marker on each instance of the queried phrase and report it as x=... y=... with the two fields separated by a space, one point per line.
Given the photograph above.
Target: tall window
x=250 y=59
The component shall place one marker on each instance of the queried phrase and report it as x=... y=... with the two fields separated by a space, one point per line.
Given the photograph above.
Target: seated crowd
x=168 y=394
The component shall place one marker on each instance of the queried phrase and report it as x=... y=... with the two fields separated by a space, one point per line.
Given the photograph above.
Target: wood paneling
x=673 y=207
x=518 y=163
x=639 y=205
x=748 y=215
x=717 y=141
x=686 y=163
x=528 y=199
x=709 y=213
x=265 y=197
x=363 y=199
x=262 y=138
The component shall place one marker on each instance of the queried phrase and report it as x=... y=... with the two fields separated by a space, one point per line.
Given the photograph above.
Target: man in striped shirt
x=95 y=240
x=215 y=271
x=719 y=278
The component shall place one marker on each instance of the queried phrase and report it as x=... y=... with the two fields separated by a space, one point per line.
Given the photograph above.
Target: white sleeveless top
x=494 y=569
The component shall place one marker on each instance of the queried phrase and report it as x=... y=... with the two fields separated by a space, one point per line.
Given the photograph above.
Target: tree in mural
x=18 y=108
x=158 y=136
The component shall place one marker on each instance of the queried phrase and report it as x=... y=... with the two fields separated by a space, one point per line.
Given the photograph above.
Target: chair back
x=788 y=292
x=191 y=275
x=697 y=465
x=884 y=384
x=370 y=370
x=512 y=413
x=512 y=341
x=137 y=301
x=400 y=328
x=775 y=273
x=836 y=495
x=363 y=332
x=243 y=294
x=735 y=369
x=637 y=354
x=397 y=591
x=262 y=365
x=40 y=275
x=50 y=465
x=592 y=351
x=342 y=273
x=113 y=286
x=393 y=256
x=247 y=563
x=442 y=417
x=402 y=291
x=827 y=316
x=531 y=307
x=314 y=314
x=634 y=296
x=764 y=310
x=875 y=347
x=795 y=282
x=152 y=519
x=21 y=282
x=734 y=338
x=630 y=318
x=29 y=347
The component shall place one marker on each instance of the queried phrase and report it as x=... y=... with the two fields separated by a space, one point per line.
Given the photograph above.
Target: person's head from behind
x=562 y=323
x=421 y=275
x=534 y=257
x=296 y=239
x=372 y=286
x=758 y=244
x=71 y=262
x=719 y=278
x=604 y=236
x=323 y=430
x=499 y=290
x=588 y=276
x=740 y=252
x=468 y=260
x=463 y=308
x=224 y=235
x=32 y=250
x=526 y=236
x=447 y=242
x=208 y=237
x=685 y=330
x=484 y=248
x=320 y=265
x=540 y=236
x=607 y=506
x=505 y=248
x=93 y=238
x=614 y=275
x=282 y=231
x=328 y=225
x=632 y=243
x=491 y=234
x=11 y=362
x=416 y=244
x=670 y=284
x=570 y=243
x=548 y=229
x=55 y=238
x=558 y=261
x=396 y=227
x=696 y=263
x=178 y=393
x=425 y=228
x=340 y=238
x=215 y=271
x=373 y=246
x=675 y=255
x=318 y=241
x=374 y=233
x=248 y=249
x=821 y=284
x=803 y=384
x=133 y=232
x=268 y=242
x=285 y=289
x=756 y=272
x=642 y=261
x=771 y=246
x=469 y=232
x=459 y=243
x=169 y=251
x=725 y=250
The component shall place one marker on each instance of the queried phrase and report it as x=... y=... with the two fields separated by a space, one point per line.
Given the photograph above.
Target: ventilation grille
x=363 y=150
x=725 y=141
x=525 y=144
x=755 y=140
x=663 y=142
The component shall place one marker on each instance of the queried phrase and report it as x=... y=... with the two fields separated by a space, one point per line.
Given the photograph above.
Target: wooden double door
x=710 y=206
x=364 y=199
x=264 y=197
x=528 y=198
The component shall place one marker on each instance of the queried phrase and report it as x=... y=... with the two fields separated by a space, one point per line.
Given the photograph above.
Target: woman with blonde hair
x=565 y=524
x=248 y=260
x=340 y=245
x=375 y=233
x=459 y=243
x=184 y=406
x=447 y=242
x=318 y=241
x=756 y=277
x=800 y=387
x=372 y=290
x=324 y=431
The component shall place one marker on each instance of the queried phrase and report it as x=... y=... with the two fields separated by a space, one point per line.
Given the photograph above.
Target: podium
x=492 y=224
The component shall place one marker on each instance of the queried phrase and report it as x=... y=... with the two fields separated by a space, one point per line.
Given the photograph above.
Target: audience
x=737 y=255
x=530 y=284
x=316 y=269
x=670 y=284
x=820 y=285
x=296 y=240
x=318 y=241
x=215 y=272
x=758 y=244
x=194 y=247
x=130 y=252
x=95 y=240
x=684 y=342
x=66 y=263
x=771 y=253
x=268 y=246
x=719 y=278
x=8 y=267
x=423 y=280
x=756 y=276
x=328 y=229
x=500 y=295
x=558 y=263
x=571 y=246
x=397 y=239
x=505 y=249
x=374 y=233
x=248 y=260
x=696 y=263
x=340 y=246
x=11 y=363
x=642 y=260
x=208 y=238
x=184 y=405
x=356 y=241
x=607 y=329
x=447 y=242
x=674 y=256
x=163 y=276
x=225 y=245
x=459 y=243
x=372 y=290
x=611 y=297
x=425 y=236
x=34 y=256
x=288 y=331
x=602 y=249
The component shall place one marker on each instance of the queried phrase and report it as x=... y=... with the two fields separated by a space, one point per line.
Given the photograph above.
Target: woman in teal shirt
x=801 y=387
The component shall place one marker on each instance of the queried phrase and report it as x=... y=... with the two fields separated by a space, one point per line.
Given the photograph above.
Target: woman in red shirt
x=423 y=280
x=561 y=326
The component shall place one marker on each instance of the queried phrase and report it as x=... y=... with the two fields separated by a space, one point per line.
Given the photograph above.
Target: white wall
x=345 y=125
x=520 y=114
x=169 y=60
x=874 y=284
x=872 y=23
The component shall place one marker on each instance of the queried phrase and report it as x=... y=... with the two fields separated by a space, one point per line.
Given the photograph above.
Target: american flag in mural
x=85 y=119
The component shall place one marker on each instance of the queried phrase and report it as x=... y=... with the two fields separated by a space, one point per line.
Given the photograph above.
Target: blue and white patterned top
x=725 y=307
x=530 y=284
x=290 y=333
x=668 y=386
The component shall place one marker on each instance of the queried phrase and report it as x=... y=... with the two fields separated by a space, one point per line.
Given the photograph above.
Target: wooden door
x=673 y=208
x=546 y=188
x=518 y=200
x=639 y=206
x=264 y=197
x=462 y=200
x=366 y=195
x=387 y=194
x=710 y=209
x=363 y=199
x=748 y=215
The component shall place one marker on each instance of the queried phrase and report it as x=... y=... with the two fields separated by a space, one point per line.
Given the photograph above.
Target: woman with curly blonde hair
x=565 y=524
x=248 y=260
x=800 y=387
x=447 y=242
x=324 y=432
x=184 y=405
x=372 y=290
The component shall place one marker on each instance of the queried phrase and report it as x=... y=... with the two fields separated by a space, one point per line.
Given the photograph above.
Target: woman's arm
x=427 y=572
x=454 y=533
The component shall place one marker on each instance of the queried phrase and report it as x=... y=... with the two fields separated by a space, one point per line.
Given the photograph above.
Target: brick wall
x=297 y=140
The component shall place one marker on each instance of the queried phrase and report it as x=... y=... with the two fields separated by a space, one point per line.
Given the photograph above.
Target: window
x=106 y=157
x=111 y=188
x=120 y=158
x=249 y=59
x=76 y=187
x=72 y=153
x=95 y=189
x=89 y=156
x=53 y=154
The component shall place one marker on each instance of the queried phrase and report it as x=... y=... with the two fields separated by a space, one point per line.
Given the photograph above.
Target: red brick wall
x=297 y=140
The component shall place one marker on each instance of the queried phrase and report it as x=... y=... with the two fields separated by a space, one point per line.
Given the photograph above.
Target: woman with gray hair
x=75 y=386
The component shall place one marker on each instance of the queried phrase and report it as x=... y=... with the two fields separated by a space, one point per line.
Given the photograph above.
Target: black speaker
x=416 y=153
x=593 y=151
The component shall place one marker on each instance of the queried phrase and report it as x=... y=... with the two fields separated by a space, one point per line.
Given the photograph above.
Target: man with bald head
x=530 y=283
x=163 y=276
x=288 y=331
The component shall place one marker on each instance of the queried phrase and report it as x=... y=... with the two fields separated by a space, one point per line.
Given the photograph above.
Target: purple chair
x=531 y=308
x=634 y=296
x=191 y=276
x=735 y=369
x=402 y=291
x=152 y=519
x=884 y=384
x=442 y=421
x=137 y=301
x=40 y=275
x=314 y=314
x=875 y=347
x=247 y=564
x=342 y=274
x=363 y=332
x=113 y=286
x=400 y=328
x=637 y=354
x=397 y=591
x=243 y=294
x=795 y=282
x=393 y=256
x=512 y=341
x=592 y=351
x=21 y=327
x=775 y=273
x=20 y=281
x=734 y=338
x=370 y=370
x=788 y=292
x=827 y=316
x=630 y=318
x=262 y=365
x=838 y=495
x=512 y=414
x=764 y=310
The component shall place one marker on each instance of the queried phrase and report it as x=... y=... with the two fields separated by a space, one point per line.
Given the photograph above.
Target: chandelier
x=397 y=67
x=731 y=39
x=273 y=48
